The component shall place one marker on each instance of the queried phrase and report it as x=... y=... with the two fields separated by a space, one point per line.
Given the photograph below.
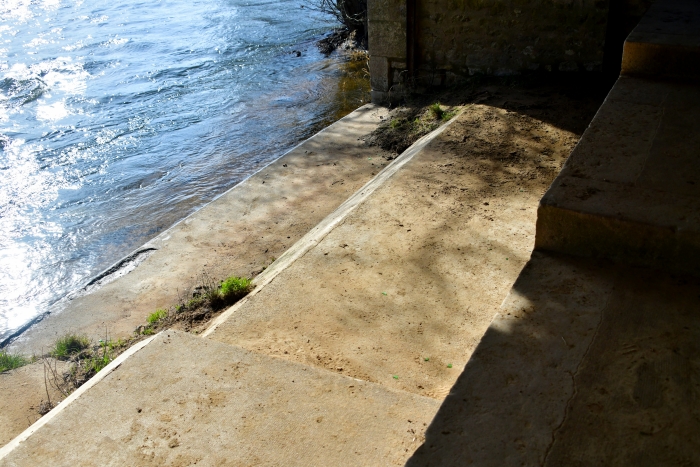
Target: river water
x=117 y=119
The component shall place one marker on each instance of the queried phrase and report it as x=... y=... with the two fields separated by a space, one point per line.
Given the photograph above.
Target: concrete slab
x=631 y=189
x=222 y=405
x=237 y=234
x=666 y=42
x=587 y=363
x=409 y=281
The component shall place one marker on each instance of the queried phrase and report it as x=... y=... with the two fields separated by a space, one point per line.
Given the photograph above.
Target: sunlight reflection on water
x=118 y=119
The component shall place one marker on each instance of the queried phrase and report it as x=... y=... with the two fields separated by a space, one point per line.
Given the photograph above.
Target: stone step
x=630 y=190
x=587 y=363
x=184 y=400
x=401 y=291
x=666 y=42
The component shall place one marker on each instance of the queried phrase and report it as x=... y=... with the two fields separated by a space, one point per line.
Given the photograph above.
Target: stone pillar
x=386 y=25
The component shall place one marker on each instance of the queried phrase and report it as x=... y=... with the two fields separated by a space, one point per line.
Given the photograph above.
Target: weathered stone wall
x=503 y=37
x=440 y=42
x=443 y=41
x=387 y=45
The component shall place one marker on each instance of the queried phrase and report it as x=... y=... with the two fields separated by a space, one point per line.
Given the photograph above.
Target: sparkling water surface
x=119 y=118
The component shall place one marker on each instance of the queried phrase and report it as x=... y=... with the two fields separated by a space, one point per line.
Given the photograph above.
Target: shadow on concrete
x=587 y=363
x=549 y=97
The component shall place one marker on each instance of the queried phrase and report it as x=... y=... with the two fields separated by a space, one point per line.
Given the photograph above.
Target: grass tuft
x=10 y=361
x=69 y=345
x=234 y=288
x=97 y=362
x=157 y=315
x=436 y=111
x=448 y=116
x=229 y=292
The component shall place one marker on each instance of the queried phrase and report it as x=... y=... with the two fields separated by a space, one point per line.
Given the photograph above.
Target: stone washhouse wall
x=420 y=43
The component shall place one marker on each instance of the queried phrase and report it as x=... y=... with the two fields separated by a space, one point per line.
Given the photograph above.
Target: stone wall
x=387 y=40
x=440 y=42
x=505 y=37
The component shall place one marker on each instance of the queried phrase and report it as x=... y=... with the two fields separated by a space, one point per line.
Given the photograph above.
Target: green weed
x=194 y=303
x=69 y=345
x=119 y=343
x=230 y=291
x=234 y=288
x=436 y=111
x=97 y=362
x=10 y=361
x=157 y=315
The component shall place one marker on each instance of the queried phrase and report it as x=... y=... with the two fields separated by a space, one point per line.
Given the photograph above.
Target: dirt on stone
x=402 y=290
x=406 y=125
x=196 y=311
x=539 y=96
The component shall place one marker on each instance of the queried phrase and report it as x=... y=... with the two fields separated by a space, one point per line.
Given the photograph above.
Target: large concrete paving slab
x=587 y=363
x=401 y=291
x=184 y=400
x=631 y=189
x=237 y=234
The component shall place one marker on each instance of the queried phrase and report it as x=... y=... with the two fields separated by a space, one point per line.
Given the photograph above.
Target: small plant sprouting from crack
x=207 y=298
x=85 y=361
x=436 y=111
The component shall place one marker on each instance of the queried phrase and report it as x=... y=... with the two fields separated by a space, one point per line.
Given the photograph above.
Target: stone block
x=379 y=72
x=380 y=97
x=387 y=39
x=386 y=10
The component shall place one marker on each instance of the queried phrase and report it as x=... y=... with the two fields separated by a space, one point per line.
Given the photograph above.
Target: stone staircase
x=352 y=338
x=591 y=359
x=630 y=189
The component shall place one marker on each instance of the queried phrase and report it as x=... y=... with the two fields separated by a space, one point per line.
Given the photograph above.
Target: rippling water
x=119 y=118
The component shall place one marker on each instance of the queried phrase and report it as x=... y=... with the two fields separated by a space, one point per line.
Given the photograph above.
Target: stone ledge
x=666 y=42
